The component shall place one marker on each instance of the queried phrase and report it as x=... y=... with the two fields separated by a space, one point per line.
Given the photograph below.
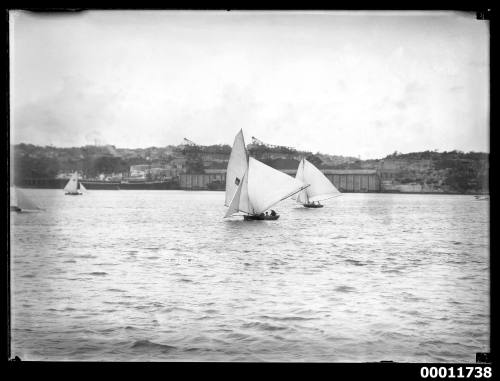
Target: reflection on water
x=160 y=275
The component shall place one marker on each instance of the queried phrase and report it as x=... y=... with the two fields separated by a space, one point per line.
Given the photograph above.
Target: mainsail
x=252 y=186
x=268 y=186
x=82 y=188
x=235 y=202
x=236 y=167
x=72 y=185
x=302 y=196
x=321 y=188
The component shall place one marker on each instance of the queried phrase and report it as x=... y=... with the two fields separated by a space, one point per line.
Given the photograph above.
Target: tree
x=315 y=160
x=109 y=164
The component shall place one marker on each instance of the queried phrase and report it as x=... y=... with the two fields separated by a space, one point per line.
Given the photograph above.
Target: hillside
x=453 y=171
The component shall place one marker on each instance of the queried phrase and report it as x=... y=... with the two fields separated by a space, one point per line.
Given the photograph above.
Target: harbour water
x=161 y=276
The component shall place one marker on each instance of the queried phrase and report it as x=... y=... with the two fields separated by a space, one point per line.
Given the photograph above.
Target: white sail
x=253 y=187
x=302 y=195
x=72 y=185
x=236 y=167
x=240 y=201
x=245 y=205
x=82 y=188
x=321 y=188
x=268 y=186
x=235 y=202
x=19 y=199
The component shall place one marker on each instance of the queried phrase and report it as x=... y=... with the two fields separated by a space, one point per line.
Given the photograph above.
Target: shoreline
x=117 y=186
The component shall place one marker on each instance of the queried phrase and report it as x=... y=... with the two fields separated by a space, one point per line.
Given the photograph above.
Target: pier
x=355 y=180
x=345 y=180
x=206 y=181
x=351 y=180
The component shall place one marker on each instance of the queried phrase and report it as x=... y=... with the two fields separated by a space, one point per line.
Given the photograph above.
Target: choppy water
x=161 y=276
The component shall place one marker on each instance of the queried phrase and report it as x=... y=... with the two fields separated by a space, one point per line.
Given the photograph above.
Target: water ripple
x=369 y=277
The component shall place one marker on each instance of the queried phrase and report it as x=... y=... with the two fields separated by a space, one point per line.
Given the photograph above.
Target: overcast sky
x=347 y=83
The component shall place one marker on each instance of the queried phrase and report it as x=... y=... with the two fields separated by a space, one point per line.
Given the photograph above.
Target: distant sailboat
x=253 y=187
x=71 y=187
x=321 y=188
x=482 y=198
x=19 y=202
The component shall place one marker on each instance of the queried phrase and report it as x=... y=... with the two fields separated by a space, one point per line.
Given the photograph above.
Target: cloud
x=79 y=111
x=335 y=84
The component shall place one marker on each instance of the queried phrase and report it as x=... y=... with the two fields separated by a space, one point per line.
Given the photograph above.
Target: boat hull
x=260 y=218
x=143 y=185
x=313 y=205
x=73 y=194
x=98 y=185
x=15 y=209
x=162 y=185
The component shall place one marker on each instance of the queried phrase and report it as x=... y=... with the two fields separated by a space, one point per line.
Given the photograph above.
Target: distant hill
x=453 y=171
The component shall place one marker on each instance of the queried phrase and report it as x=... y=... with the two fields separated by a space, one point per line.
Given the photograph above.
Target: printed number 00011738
x=455 y=372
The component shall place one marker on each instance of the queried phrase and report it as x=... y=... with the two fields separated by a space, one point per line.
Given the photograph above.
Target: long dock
x=345 y=180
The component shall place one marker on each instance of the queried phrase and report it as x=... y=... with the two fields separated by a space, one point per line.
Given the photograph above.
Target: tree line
x=460 y=171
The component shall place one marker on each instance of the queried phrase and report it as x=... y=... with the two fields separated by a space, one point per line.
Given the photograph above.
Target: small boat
x=253 y=187
x=482 y=198
x=72 y=186
x=313 y=205
x=321 y=188
x=19 y=202
x=261 y=217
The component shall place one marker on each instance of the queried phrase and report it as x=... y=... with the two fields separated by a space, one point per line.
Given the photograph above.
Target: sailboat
x=252 y=187
x=71 y=187
x=321 y=188
x=482 y=198
x=19 y=202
